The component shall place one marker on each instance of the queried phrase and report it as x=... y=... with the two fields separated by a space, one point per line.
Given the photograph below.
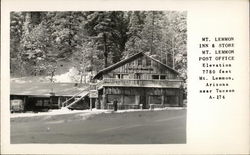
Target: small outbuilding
x=40 y=96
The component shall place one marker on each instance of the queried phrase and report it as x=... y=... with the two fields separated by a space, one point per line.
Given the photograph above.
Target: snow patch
x=90 y=113
x=62 y=111
x=66 y=77
x=71 y=76
x=49 y=113
x=85 y=113
x=155 y=109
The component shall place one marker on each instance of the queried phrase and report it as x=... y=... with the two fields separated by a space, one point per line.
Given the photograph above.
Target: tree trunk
x=81 y=77
x=152 y=34
x=105 y=51
x=27 y=23
x=173 y=53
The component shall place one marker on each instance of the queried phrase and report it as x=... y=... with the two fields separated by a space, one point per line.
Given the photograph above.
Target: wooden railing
x=123 y=107
x=134 y=106
x=139 y=83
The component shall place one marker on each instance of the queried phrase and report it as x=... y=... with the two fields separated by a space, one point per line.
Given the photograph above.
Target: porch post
x=59 y=102
x=180 y=97
x=148 y=100
x=162 y=100
x=122 y=99
x=104 y=101
x=24 y=103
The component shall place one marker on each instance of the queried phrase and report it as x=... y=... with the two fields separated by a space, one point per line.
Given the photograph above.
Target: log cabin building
x=139 y=81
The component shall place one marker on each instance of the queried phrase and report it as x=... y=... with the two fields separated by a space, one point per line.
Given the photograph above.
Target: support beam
x=149 y=100
x=59 y=102
x=122 y=99
x=91 y=103
x=162 y=100
x=137 y=99
x=104 y=101
x=181 y=97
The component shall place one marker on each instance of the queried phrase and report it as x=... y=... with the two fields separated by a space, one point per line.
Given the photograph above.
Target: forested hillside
x=43 y=42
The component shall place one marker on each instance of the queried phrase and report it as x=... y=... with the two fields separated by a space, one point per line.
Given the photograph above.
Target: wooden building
x=39 y=96
x=139 y=81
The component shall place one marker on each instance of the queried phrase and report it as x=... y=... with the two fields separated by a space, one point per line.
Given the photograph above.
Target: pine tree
x=108 y=31
x=136 y=22
x=16 y=33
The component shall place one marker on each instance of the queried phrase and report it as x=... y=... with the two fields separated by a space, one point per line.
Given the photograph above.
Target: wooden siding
x=145 y=70
x=141 y=91
x=139 y=83
x=133 y=97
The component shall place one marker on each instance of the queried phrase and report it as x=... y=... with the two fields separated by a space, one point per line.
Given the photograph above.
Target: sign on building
x=93 y=94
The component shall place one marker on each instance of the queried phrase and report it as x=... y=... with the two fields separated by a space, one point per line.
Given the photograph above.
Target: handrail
x=73 y=97
x=76 y=100
x=170 y=80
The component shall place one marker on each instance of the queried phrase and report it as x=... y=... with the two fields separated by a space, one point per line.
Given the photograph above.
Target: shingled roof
x=124 y=61
x=43 y=89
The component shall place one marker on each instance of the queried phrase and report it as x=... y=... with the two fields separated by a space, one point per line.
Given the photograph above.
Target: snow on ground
x=66 y=77
x=86 y=113
x=62 y=111
x=155 y=109
x=71 y=76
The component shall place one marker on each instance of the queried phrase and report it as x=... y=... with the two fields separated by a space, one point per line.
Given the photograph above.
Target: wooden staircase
x=75 y=98
x=78 y=96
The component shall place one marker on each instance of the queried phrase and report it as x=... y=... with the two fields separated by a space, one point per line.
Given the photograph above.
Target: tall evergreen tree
x=136 y=22
x=40 y=39
x=108 y=30
x=16 y=33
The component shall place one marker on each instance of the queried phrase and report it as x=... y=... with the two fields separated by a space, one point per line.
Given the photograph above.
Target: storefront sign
x=93 y=94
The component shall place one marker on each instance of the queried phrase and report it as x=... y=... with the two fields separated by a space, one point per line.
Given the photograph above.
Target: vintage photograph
x=98 y=77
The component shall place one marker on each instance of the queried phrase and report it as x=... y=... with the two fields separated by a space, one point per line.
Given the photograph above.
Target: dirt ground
x=140 y=127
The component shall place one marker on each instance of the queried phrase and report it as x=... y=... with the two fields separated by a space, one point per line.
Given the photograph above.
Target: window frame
x=163 y=76
x=155 y=75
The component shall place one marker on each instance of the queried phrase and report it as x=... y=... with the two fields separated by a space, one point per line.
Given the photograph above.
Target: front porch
x=139 y=97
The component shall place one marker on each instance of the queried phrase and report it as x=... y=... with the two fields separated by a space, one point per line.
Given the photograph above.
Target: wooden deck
x=111 y=82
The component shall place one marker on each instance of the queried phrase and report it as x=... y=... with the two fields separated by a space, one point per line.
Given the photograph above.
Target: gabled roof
x=124 y=61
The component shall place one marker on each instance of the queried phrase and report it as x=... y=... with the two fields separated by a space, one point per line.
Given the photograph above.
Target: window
x=111 y=98
x=117 y=76
x=124 y=76
x=155 y=77
x=121 y=76
x=163 y=77
x=39 y=103
x=139 y=61
x=172 y=100
x=46 y=103
x=129 y=99
x=155 y=99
